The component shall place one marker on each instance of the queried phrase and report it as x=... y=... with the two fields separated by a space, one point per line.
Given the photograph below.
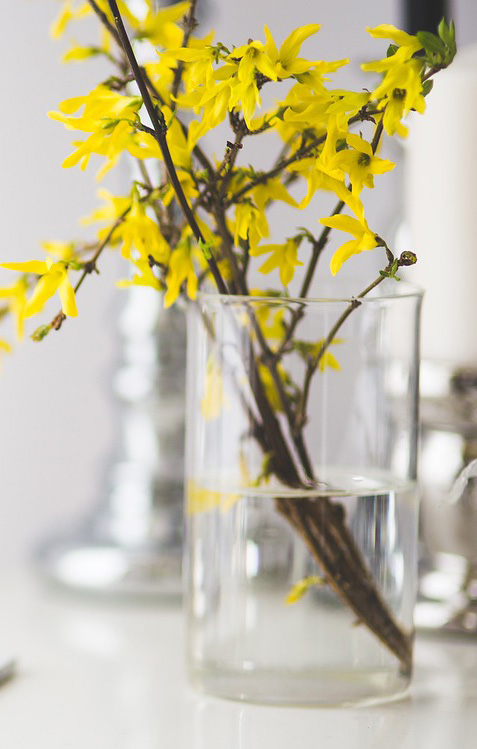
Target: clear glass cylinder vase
x=301 y=495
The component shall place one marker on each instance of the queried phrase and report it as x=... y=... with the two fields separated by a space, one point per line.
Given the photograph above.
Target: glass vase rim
x=404 y=290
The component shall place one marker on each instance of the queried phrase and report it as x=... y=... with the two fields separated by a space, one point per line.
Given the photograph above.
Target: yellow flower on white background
x=70 y=11
x=16 y=298
x=144 y=276
x=181 y=270
x=283 y=257
x=285 y=60
x=250 y=223
x=359 y=163
x=53 y=278
x=364 y=238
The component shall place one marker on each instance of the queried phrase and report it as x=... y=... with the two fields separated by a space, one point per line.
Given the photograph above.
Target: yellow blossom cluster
x=330 y=139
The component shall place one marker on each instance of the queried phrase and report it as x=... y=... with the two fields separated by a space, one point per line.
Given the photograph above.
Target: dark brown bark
x=321 y=524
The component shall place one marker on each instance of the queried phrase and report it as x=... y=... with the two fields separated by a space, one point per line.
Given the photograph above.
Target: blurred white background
x=57 y=414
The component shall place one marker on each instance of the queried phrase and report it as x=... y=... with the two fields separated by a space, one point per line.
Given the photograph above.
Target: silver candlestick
x=448 y=571
x=132 y=542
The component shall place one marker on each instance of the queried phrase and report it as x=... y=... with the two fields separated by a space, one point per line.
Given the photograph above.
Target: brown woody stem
x=160 y=129
x=189 y=25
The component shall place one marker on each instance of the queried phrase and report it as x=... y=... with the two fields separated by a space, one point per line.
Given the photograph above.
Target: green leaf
x=427 y=87
x=304 y=233
x=206 y=249
x=392 y=49
x=75 y=265
x=443 y=31
x=431 y=43
x=266 y=472
x=304 y=348
x=389 y=274
x=447 y=33
x=40 y=333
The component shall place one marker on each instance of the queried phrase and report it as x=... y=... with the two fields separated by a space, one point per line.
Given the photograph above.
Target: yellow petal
x=291 y=45
x=44 y=290
x=265 y=66
x=70 y=106
x=67 y=296
x=299 y=589
x=343 y=223
x=359 y=144
x=270 y=46
x=342 y=254
x=388 y=31
x=31 y=266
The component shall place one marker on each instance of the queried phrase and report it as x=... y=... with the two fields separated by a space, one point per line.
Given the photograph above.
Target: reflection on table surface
x=110 y=675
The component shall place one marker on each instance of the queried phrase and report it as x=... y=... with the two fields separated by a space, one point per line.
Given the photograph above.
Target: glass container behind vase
x=302 y=508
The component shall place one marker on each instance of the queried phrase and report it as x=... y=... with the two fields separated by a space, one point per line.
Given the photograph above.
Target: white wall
x=57 y=417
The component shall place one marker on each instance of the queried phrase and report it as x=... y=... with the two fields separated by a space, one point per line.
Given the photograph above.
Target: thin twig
x=197 y=151
x=189 y=24
x=229 y=161
x=300 y=154
x=314 y=362
x=106 y=22
x=160 y=129
x=318 y=247
x=90 y=266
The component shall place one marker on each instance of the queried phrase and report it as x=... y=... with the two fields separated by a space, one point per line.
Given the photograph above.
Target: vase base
x=112 y=570
x=311 y=689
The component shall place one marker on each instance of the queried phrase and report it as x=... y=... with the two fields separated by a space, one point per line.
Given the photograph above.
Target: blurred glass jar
x=448 y=471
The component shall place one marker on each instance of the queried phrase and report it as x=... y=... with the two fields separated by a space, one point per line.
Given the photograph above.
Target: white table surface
x=99 y=675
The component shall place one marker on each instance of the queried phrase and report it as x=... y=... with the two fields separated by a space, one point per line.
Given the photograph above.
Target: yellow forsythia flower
x=67 y=14
x=407 y=43
x=401 y=88
x=160 y=26
x=144 y=277
x=364 y=238
x=359 y=163
x=181 y=270
x=109 y=117
x=53 y=277
x=112 y=208
x=78 y=52
x=250 y=223
x=62 y=250
x=285 y=61
x=283 y=257
x=17 y=302
x=199 y=58
x=327 y=360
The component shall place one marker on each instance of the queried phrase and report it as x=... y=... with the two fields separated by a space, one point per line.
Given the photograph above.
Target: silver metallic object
x=448 y=570
x=132 y=542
